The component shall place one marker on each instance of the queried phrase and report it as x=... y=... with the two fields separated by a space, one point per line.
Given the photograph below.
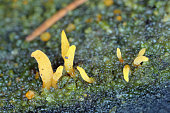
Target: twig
x=57 y=16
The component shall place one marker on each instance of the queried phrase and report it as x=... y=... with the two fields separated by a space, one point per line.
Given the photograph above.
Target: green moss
x=96 y=44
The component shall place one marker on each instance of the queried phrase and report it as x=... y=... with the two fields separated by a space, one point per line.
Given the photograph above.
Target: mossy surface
x=144 y=25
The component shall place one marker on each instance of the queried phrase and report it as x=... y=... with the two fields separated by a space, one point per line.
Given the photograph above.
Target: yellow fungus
x=30 y=94
x=119 y=55
x=64 y=44
x=140 y=59
x=108 y=2
x=45 y=36
x=68 y=60
x=84 y=75
x=70 y=27
x=99 y=17
x=142 y=52
x=126 y=70
x=36 y=75
x=45 y=69
x=117 y=11
x=89 y=20
x=56 y=76
x=118 y=18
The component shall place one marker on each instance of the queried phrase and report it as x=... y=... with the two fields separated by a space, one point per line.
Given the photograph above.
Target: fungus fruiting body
x=64 y=44
x=84 y=75
x=30 y=94
x=45 y=36
x=140 y=59
x=142 y=52
x=108 y=2
x=68 y=60
x=119 y=18
x=45 y=69
x=119 y=55
x=126 y=70
x=56 y=76
x=117 y=11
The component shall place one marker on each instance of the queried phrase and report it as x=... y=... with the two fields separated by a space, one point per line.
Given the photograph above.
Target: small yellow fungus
x=108 y=2
x=30 y=94
x=140 y=59
x=45 y=69
x=126 y=70
x=118 y=18
x=56 y=76
x=36 y=75
x=68 y=60
x=89 y=20
x=70 y=27
x=84 y=75
x=99 y=17
x=119 y=55
x=117 y=11
x=64 y=44
x=45 y=36
x=142 y=52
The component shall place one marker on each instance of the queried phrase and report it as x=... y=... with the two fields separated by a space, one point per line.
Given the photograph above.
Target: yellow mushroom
x=84 y=75
x=68 y=60
x=64 y=44
x=45 y=36
x=117 y=11
x=119 y=18
x=142 y=52
x=30 y=94
x=140 y=59
x=45 y=69
x=56 y=76
x=119 y=55
x=126 y=70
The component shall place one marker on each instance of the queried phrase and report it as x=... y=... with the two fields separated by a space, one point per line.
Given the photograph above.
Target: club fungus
x=140 y=59
x=30 y=94
x=56 y=76
x=45 y=69
x=68 y=60
x=119 y=55
x=84 y=75
x=126 y=70
x=64 y=44
x=142 y=52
